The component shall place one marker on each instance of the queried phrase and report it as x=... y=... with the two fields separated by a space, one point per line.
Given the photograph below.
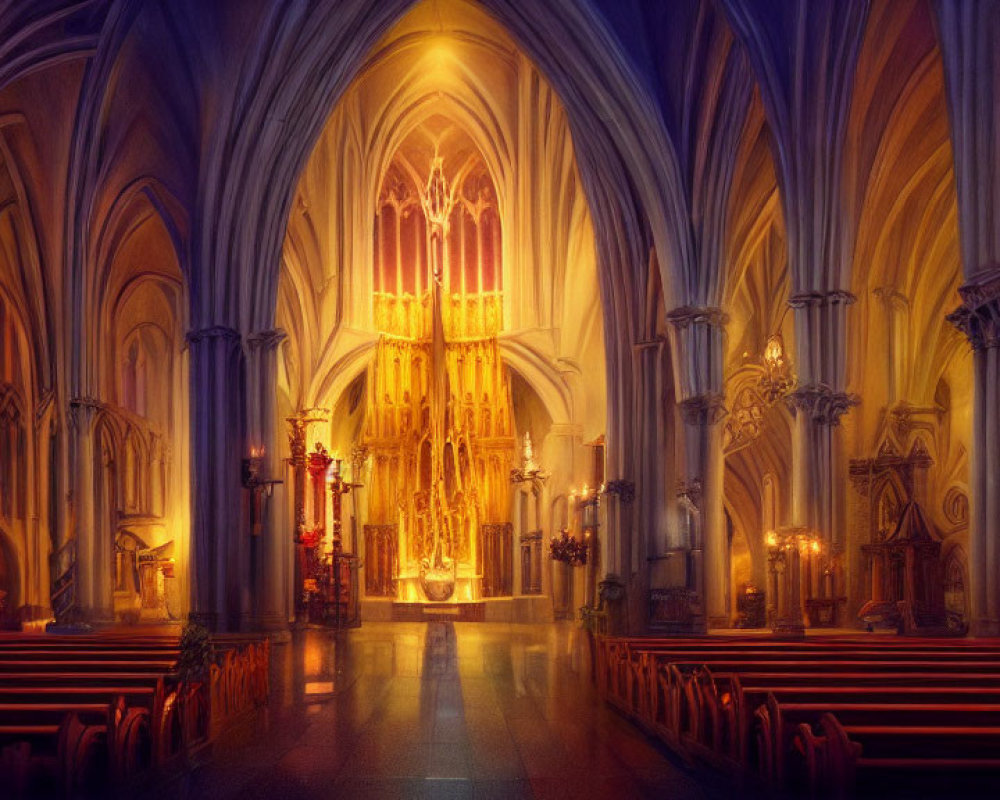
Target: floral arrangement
x=568 y=549
x=197 y=652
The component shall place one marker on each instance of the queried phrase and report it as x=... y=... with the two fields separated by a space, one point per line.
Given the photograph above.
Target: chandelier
x=777 y=380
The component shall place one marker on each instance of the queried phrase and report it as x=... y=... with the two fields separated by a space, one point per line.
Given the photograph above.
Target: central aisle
x=413 y=710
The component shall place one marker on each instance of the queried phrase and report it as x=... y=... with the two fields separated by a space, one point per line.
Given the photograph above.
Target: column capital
x=649 y=344
x=85 y=404
x=821 y=297
x=83 y=410
x=266 y=340
x=823 y=405
x=685 y=316
x=979 y=315
x=213 y=332
x=703 y=409
x=689 y=492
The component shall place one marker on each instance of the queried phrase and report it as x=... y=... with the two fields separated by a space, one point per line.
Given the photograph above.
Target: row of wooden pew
x=88 y=715
x=832 y=716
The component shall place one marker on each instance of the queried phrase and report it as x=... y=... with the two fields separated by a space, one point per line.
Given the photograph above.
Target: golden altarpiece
x=438 y=425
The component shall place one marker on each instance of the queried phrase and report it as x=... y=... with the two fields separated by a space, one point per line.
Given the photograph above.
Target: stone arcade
x=651 y=266
x=670 y=316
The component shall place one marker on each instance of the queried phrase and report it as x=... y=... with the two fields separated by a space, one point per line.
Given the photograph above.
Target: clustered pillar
x=700 y=333
x=818 y=404
x=979 y=318
x=219 y=554
x=93 y=556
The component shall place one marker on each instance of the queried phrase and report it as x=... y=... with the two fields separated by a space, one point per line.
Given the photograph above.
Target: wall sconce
x=529 y=471
x=250 y=472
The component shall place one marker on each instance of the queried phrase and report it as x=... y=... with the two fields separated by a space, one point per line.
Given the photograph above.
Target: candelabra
x=785 y=551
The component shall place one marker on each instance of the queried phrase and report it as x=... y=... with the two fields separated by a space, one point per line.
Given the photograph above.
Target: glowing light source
x=439 y=54
x=774 y=351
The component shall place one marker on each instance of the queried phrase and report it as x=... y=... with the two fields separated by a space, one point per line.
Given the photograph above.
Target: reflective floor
x=439 y=710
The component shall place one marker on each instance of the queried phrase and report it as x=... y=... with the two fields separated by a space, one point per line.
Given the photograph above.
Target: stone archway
x=628 y=173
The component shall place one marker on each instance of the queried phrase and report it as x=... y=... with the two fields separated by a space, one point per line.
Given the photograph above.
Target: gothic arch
x=635 y=155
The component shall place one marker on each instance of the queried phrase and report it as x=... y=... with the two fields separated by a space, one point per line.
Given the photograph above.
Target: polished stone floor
x=438 y=710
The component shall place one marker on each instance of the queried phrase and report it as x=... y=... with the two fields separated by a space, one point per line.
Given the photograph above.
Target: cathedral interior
x=541 y=336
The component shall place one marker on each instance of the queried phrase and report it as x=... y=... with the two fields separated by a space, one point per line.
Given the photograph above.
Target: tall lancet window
x=470 y=251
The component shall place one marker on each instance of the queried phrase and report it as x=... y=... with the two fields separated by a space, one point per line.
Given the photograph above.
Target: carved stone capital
x=266 y=340
x=83 y=410
x=979 y=315
x=689 y=492
x=685 y=316
x=808 y=299
x=823 y=405
x=703 y=409
x=213 y=332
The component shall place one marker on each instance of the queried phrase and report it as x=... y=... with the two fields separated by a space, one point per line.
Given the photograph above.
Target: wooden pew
x=669 y=691
x=646 y=684
x=926 y=726
x=625 y=670
x=91 y=664
x=84 y=706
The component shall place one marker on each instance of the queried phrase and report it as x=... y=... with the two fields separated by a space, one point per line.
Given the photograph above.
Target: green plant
x=197 y=652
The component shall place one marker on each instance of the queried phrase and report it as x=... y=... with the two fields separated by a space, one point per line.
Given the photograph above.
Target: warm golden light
x=440 y=55
x=774 y=352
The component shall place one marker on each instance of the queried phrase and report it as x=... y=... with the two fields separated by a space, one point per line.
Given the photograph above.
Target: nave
x=437 y=710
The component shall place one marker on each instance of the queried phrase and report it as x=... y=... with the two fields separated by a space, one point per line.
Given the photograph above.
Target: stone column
x=650 y=495
x=818 y=403
x=699 y=338
x=701 y=492
x=979 y=318
x=86 y=528
x=220 y=585
x=561 y=456
x=967 y=32
x=262 y=380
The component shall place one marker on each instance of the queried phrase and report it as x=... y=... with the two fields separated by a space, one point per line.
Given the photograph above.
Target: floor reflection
x=441 y=709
